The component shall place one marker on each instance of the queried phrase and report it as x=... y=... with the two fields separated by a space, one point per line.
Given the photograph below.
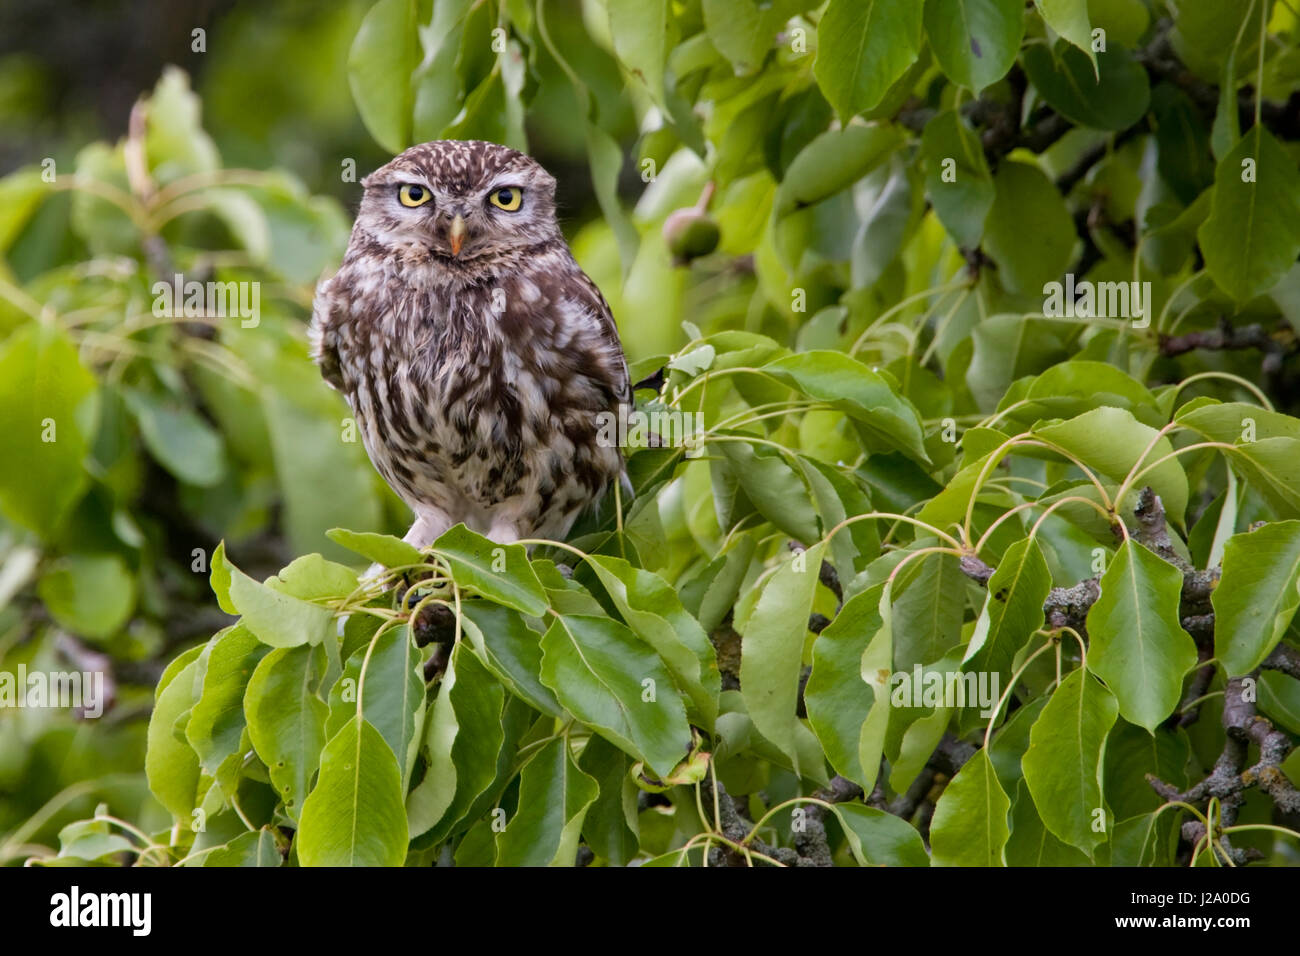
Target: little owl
x=479 y=360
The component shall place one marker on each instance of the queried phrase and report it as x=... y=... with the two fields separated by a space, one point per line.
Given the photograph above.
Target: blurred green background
x=225 y=141
x=190 y=435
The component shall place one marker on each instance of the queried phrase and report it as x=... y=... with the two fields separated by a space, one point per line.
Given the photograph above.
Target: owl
x=481 y=364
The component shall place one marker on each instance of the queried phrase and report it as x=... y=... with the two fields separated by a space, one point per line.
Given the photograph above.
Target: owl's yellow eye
x=413 y=194
x=507 y=198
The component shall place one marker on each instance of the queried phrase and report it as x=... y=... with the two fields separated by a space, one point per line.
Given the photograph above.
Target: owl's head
x=459 y=201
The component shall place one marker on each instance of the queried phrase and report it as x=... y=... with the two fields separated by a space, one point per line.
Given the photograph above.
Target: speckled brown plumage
x=477 y=380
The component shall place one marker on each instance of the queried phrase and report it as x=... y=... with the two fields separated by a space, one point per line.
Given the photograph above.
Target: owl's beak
x=457 y=233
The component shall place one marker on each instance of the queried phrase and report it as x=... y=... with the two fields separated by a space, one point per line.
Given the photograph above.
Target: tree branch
x=1069 y=606
x=1277 y=346
x=1230 y=777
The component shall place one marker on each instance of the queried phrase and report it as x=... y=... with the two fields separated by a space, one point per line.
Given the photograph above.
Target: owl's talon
x=436 y=624
x=436 y=665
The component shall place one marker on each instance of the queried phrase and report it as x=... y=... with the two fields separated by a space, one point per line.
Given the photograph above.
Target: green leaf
x=554 y=796
x=103 y=225
x=178 y=664
x=975 y=41
x=957 y=176
x=1225 y=131
x=651 y=607
x=286 y=719
x=838 y=498
x=170 y=762
x=640 y=31
x=1063 y=766
x=611 y=827
x=1029 y=231
x=175 y=142
x=1012 y=611
x=1253 y=234
x=388 y=679
x=919 y=740
x=1009 y=346
x=21 y=194
x=181 y=441
x=355 y=815
x=517 y=720
x=308 y=234
x=312 y=578
x=949 y=506
x=722 y=582
x=772 y=650
x=867 y=397
x=1182 y=142
x=1031 y=843
x=617 y=685
x=876 y=671
x=89 y=594
x=837 y=699
x=384 y=55
x=92 y=840
x=47 y=418
x=1237 y=422
x=886 y=226
x=1279 y=699
x=463 y=738
x=1123 y=20
x=605 y=159
x=511 y=650
x=879 y=838
x=1072 y=388
x=219 y=577
x=1272 y=467
x=254 y=848
x=216 y=723
x=863 y=46
x=1114 y=98
x=929 y=603
x=1256 y=598
x=1069 y=18
x=744 y=30
x=1208 y=36
x=439 y=80
x=1132 y=753
x=499 y=572
x=1136 y=644
x=969 y=827
x=776 y=489
x=1009 y=743
x=383 y=548
x=1146 y=840
x=275 y=618
x=1111 y=441
x=695 y=361
x=832 y=162
x=324 y=481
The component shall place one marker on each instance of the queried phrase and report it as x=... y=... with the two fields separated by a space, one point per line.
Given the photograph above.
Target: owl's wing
x=616 y=363
x=323 y=338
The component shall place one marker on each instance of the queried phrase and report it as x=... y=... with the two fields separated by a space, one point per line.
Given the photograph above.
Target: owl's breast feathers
x=479 y=390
